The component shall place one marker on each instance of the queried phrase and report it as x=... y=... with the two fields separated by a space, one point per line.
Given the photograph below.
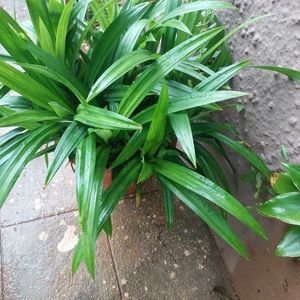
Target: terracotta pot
x=107 y=183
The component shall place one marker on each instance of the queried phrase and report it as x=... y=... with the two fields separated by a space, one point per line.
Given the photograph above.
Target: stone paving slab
x=30 y=199
x=142 y=258
x=154 y=264
x=37 y=262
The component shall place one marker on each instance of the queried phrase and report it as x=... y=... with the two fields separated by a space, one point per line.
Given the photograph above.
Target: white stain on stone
x=172 y=275
x=43 y=236
x=11 y=200
x=126 y=295
x=123 y=281
x=38 y=204
x=187 y=253
x=62 y=223
x=69 y=240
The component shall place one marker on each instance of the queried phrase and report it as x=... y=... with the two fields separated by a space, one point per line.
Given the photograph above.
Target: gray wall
x=272 y=111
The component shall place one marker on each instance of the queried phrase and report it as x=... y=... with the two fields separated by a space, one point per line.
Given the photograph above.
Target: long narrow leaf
x=283 y=207
x=165 y=64
x=118 y=69
x=104 y=119
x=183 y=131
x=246 y=153
x=158 y=125
x=208 y=214
x=67 y=143
x=209 y=190
x=188 y=102
x=12 y=169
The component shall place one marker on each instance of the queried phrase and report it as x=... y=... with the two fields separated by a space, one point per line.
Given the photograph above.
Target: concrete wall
x=272 y=111
x=271 y=118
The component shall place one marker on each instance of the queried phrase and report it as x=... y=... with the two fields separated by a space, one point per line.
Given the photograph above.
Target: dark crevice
x=61 y=213
x=115 y=268
x=164 y=245
x=41 y=218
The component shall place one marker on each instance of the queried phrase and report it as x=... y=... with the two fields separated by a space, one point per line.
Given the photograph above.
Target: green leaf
x=85 y=168
x=188 y=70
x=256 y=161
x=294 y=172
x=45 y=39
x=208 y=214
x=86 y=30
x=29 y=116
x=15 y=103
x=179 y=104
x=70 y=82
x=157 y=71
x=283 y=207
x=117 y=189
x=67 y=143
x=157 y=129
x=219 y=79
x=220 y=42
x=196 y=6
x=107 y=227
x=176 y=24
x=207 y=189
x=12 y=38
x=183 y=131
x=109 y=39
x=59 y=70
x=77 y=257
x=9 y=148
x=26 y=86
x=206 y=157
x=86 y=191
x=146 y=172
x=103 y=118
x=169 y=35
x=118 y=69
x=38 y=11
x=88 y=251
x=62 y=30
x=128 y=41
x=5 y=138
x=97 y=191
x=134 y=144
x=292 y=74
x=169 y=206
x=22 y=155
x=290 y=244
x=110 y=199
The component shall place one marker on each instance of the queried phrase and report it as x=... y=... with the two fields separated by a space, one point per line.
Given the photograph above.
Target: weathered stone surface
x=154 y=264
x=272 y=109
x=37 y=263
x=30 y=199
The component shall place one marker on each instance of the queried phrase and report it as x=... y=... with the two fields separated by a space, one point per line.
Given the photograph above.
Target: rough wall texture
x=272 y=111
x=271 y=118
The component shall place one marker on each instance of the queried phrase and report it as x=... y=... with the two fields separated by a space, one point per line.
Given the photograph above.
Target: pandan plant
x=128 y=87
x=285 y=206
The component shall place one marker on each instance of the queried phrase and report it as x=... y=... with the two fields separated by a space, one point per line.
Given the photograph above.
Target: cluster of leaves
x=112 y=86
x=286 y=207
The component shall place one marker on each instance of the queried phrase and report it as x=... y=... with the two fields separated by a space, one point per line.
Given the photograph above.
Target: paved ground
x=142 y=261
